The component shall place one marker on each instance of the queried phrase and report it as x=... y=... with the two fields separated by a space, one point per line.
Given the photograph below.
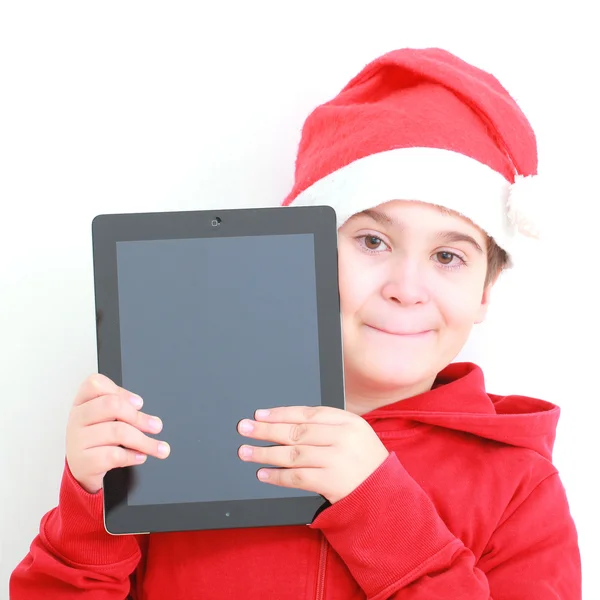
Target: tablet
x=210 y=315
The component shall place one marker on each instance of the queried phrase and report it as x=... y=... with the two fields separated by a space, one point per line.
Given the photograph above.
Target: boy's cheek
x=462 y=311
x=358 y=284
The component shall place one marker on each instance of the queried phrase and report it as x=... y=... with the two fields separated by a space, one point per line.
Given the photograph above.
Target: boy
x=436 y=488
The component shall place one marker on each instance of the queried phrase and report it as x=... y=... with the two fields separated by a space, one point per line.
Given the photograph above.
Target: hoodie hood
x=458 y=401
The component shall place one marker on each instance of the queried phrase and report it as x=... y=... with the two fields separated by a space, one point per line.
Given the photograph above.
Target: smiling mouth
x=404 y=334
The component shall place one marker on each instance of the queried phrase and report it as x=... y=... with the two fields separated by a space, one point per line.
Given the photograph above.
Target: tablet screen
x=211 y=330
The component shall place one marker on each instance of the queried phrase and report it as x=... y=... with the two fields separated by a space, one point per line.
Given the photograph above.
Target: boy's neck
x=361 y=399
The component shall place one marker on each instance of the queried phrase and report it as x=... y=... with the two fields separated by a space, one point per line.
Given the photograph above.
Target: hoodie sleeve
x=397 y=547
x=73 y=556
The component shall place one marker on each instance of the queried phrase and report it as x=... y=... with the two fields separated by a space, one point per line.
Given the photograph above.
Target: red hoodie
x=468 y=505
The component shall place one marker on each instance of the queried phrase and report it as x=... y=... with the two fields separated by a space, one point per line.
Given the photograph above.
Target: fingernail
x=262 y=413
x=136 y=401
x=163 y=448
x=246 y=451
x=155 y=424
x=246 y=427
x=140 y=457
x=263 y=475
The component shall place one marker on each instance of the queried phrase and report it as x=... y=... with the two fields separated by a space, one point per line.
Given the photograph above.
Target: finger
x=290 y=434
x=116 y=433
x=113 y=407
x=303 y=478
x=286 y=456
x=325 y=415
x=106 y=458
x=96 y=385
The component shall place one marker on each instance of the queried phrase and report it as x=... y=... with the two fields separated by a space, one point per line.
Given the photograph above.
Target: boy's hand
x=106 y=430
x=322 y=449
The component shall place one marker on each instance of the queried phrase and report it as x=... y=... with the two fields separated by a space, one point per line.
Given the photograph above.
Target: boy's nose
x=406 y=283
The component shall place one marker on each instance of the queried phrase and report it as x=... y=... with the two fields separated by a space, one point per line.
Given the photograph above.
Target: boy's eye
x=449 y=260
x=445 y=257
x=372 y=243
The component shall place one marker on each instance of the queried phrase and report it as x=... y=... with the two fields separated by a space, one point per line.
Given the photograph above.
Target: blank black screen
x=211 y=330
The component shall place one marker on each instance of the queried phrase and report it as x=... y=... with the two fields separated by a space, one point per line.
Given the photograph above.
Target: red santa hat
x=422 y=125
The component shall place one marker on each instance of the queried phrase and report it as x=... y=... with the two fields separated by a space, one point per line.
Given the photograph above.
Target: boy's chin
x=387 y=375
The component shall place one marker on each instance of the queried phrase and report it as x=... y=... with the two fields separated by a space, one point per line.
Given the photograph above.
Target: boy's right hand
x=106 y=430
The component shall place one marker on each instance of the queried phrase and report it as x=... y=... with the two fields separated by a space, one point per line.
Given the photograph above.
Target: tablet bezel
x=320 y=221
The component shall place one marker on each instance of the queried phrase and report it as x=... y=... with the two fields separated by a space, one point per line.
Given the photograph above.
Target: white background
x=126 y=106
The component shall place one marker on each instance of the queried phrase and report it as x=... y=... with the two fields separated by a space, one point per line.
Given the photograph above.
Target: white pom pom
x=525 y=205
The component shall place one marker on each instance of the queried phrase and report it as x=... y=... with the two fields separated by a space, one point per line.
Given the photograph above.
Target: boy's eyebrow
x=379 y=217
x=444 y=236
x=456 y=236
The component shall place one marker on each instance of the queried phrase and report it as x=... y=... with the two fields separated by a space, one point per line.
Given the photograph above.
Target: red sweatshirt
x=467 y=506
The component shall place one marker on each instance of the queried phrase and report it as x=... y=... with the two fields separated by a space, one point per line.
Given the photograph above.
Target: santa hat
x=422 y=125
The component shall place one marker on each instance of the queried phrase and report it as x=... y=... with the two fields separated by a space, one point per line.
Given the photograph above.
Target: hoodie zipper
x=322 y=570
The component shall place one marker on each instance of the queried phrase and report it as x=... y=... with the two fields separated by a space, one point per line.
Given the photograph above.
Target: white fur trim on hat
x=525 y=205
x=435 y=176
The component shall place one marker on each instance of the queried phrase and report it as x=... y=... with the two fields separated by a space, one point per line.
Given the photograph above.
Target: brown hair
x=497 y=261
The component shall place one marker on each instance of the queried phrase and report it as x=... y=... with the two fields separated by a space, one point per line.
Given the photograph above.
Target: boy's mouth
x=401 y=333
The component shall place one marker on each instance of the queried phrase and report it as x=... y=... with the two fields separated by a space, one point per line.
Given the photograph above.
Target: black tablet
x=210 y=315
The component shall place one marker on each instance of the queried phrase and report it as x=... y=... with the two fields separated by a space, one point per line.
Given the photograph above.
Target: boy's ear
x=485 y=302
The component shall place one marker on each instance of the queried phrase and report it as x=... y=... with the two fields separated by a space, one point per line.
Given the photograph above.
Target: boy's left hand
x=322 y=449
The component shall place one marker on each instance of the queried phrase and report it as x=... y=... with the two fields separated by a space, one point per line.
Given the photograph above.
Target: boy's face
x=411 y=287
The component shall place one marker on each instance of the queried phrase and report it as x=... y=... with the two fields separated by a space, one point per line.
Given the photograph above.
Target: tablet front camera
x=216 y=222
